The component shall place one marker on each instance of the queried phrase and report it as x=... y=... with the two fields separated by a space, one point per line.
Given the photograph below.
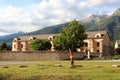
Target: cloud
x=95 y=3
x=13 y=14
x=15 y=19
x=57 y=11
x=52 y=12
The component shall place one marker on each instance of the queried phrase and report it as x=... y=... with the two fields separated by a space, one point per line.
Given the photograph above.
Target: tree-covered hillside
x=49 y=30
x=111 y=24
x=92 y=20
x=9 y=38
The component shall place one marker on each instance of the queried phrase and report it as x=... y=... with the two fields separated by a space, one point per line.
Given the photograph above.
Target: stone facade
x=22 y=43
x=97 y=42
x=35 y=56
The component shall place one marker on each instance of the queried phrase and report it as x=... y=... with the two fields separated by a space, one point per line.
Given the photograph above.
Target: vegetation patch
x=22 y=66
x=5 y=66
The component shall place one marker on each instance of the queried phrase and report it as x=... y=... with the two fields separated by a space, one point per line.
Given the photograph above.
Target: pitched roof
x=92 y=34
x=45 y=36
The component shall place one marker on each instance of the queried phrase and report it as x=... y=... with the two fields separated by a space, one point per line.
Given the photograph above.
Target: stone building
x=97 y=42
x=22 y=43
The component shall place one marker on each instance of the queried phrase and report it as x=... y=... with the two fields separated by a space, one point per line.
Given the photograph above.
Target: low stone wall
x=38 y=56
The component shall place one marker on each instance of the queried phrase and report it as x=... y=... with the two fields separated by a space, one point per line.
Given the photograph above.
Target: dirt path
x=33 y=62
x=15 y=62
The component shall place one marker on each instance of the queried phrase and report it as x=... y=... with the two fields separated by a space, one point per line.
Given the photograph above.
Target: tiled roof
x=93 y=33
x=45 y=36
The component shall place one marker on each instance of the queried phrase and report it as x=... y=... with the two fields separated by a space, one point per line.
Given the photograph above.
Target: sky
x=32 y=15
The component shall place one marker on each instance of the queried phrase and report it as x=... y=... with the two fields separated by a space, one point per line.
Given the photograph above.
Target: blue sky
x=21 y=3
x=31 y=15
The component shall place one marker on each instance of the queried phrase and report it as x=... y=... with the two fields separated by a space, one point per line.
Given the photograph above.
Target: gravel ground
x=32 y=62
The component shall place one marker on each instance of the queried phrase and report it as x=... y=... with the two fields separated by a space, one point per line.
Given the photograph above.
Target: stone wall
x=38 y=56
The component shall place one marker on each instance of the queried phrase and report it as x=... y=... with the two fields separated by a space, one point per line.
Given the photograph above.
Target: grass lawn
x=49 y=70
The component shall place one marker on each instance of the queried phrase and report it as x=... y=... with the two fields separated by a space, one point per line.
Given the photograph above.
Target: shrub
x=40 y=44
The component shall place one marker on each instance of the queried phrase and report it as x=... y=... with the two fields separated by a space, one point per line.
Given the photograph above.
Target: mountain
x=9 y=38
x=87 y=22
x=111 y=24
x=2 y=30
x=117 y=12
x=49 y=30
x=92 y=20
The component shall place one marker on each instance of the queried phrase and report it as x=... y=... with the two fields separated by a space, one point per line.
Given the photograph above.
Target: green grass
x=45 y=70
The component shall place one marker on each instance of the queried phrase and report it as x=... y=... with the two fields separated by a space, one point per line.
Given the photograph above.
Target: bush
x=3 y=47
x=116 y=57
x=117 y=51
x=40 y=44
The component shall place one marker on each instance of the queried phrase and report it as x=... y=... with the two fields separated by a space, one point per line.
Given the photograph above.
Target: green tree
x=40 y=44
x=58 y=43
x=3 y=47
x=71 y=37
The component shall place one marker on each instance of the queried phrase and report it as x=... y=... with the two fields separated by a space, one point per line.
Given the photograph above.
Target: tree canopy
x=71 y=37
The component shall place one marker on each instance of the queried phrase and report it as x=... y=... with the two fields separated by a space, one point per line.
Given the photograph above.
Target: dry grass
x=46 y=70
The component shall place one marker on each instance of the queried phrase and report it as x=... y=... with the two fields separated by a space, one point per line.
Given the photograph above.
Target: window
x=98 y=44
x=97 y=36
x=98 y=51
x=102 y=35
x=34 y=38
x=21 y=45
x=30 y=39
x=86 y=44
x=50 y=38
